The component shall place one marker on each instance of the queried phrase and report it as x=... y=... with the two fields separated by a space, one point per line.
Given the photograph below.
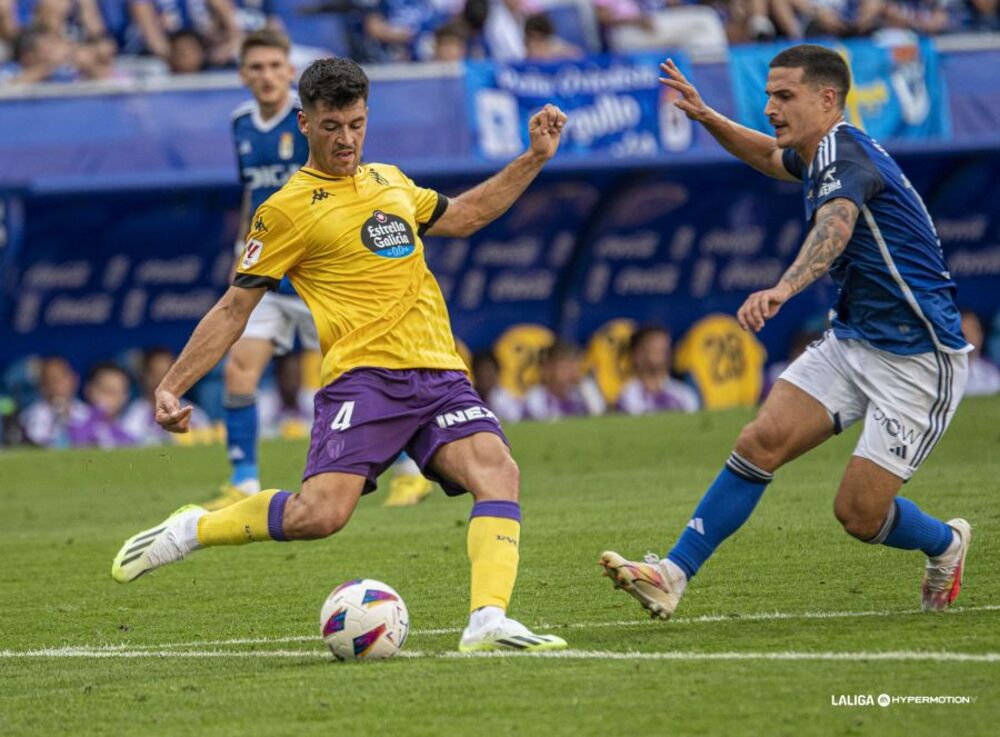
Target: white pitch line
x=704 y=619
x=893 y=655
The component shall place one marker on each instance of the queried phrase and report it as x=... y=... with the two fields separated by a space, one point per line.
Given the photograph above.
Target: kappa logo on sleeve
x=251 y=254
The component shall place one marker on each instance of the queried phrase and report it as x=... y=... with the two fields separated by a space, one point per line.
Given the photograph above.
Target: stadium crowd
x=528 y=375
x=67 y=40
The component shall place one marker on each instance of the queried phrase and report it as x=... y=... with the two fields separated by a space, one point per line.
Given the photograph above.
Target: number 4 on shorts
x=343 y=419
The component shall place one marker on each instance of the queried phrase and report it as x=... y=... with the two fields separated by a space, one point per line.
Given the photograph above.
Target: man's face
x=336 y=136
x=268 y=74
x=108 y=391
x=57 y=382
x=652 y=355
x=799 y=111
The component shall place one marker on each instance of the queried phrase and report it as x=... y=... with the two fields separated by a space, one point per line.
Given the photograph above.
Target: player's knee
x=761 y=442
x=500 y=478
x=857 y=520
x=238 y=376
x=311 y=521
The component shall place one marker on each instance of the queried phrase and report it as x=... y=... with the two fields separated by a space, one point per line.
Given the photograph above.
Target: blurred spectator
x=211 y=21
x=984 y=15
x=984 y=376
x=75 y=19
x=651 y=388
x=139 y=419
x=188 y=54
x=503 y=30
x=106 y=391
x=451 y=41
x=95 y=59
x=486 y=375
x=9 y=23
x=563 y=391
x=929 y=17
x=651 y=25
x=541 y=41
x=46 y=422
x=252 y=15
x=404 y=29
x=39 y=55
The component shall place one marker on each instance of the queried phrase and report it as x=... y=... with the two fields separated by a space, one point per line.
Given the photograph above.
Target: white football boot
x=657 y=586
x=943 y=575
x=507 y=634
x=166 y=543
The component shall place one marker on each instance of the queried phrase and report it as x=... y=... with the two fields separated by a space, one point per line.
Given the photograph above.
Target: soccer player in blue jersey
x=269 y=149
x=895 y=356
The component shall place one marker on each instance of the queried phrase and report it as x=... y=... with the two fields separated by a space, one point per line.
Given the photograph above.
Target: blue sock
x=241 y=436
x=908 y=528
x=726 y=505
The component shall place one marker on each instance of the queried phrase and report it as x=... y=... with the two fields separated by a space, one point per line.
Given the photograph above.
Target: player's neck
x=807 y=151
x=267 y=112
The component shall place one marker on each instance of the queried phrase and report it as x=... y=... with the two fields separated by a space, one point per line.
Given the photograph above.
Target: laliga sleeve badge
x=286 y=146
x=251 y=254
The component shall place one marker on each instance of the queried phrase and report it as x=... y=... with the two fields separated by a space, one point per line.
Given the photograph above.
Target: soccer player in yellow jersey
x=348 y=236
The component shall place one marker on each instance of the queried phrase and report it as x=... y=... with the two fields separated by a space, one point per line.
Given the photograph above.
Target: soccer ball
x=364 y=619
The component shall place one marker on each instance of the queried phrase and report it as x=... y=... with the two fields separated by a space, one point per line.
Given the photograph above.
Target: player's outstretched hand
x=169 y=413
x=545 y=129
x=761 y=307
x=690 y=101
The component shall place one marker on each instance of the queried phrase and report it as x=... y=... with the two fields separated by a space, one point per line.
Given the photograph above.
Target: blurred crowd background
x=68 y=40
x=528 y=375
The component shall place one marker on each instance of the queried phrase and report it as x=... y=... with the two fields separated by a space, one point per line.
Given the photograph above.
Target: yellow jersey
x=726 y=362
x=351 y=247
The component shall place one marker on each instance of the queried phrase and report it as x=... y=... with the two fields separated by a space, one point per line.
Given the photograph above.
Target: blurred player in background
x=895 y=357
x=348 y=234
x=270 y=149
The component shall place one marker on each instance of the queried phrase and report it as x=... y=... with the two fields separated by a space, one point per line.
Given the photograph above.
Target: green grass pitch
x=226 y=643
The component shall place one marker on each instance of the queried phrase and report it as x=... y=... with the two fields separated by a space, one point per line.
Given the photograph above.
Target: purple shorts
x=367 y=416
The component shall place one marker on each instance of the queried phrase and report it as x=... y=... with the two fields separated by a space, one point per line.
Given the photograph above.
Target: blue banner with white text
x=616 y=106
x=897 y=90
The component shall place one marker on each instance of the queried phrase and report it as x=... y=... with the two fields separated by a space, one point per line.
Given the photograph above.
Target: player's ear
x=303 y=121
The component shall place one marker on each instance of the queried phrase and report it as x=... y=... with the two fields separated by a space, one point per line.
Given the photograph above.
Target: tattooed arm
x=828 y=238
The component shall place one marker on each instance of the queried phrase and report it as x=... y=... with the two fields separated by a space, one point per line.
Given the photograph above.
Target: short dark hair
x=540 y=24
x=268 y=38
x=820 y=65
x=454 y=28
x=559 y=350
x=109 y=367
x=338 y=83
x=640 y=335
x=28 y=41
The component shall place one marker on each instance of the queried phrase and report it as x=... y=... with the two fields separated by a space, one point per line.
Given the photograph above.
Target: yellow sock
x=494 y=538
x=258 y=517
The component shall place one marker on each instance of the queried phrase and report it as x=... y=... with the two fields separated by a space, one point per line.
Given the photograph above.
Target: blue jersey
x=895 y=290
x=268 y=154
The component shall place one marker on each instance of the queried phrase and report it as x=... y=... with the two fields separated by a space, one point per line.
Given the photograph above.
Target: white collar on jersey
x=265 y=126
x=827 y=149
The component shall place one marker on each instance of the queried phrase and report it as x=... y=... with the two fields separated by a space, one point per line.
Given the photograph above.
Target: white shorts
x=277 y=318
x=907 y=401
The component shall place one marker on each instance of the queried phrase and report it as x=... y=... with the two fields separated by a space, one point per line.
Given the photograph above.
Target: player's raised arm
x=757 y=149
x=828 y=238
x=216 y=332
x=487 y=201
